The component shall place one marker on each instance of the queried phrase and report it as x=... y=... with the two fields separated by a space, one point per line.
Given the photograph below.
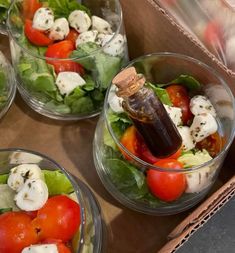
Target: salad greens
x=4 y=5
x=104 y=66
x=188 y=81
x=39 y=78
x=3 y=91
x=62 y=8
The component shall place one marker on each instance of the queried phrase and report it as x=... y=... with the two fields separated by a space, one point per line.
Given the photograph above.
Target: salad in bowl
x=200 y=106
x=65 y=54
x=43 y=208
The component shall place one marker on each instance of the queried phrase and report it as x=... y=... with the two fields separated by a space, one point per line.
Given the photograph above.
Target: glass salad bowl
x=21 y=169
x=124 y=163
x=66 y=53
x=7 y=85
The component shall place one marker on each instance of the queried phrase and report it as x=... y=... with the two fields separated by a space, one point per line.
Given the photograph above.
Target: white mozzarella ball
x=68 y=81
x=114 y=101
x=19 y=174
x=200 y=104
x=89 y=36
x=32 y=196
x=203 y=125
x=101 y=25
x=42 y=248
x=43 y=19
x=80 y=21
x=60 y=29
x=113 y=46
x=188 y=142
x=175 y=114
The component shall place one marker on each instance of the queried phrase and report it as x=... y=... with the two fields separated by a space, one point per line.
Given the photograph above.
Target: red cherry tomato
x=129 y=141
x=134 y=143
x=36 y=37
x=30 y=7
x=180 y=98
x=16 y=232
x=59 y=218
x=62 y=248
x=63 y=50
x=213 y=144
x=72 y=36
x=167 y=186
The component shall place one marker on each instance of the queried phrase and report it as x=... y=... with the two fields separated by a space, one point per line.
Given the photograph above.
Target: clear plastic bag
x=211 y=21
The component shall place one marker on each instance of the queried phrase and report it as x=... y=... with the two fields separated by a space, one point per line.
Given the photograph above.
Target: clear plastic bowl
x=36 y=95
x=7 y=85
x=90 y=236
x=162 y=68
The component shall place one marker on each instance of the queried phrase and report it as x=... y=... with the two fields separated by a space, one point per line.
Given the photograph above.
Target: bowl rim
x=29 y=52
x=198 y=63
x=70 y=178
x=10 y=85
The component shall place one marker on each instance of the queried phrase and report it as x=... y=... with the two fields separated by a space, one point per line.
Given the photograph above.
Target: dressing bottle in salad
x=147 y=113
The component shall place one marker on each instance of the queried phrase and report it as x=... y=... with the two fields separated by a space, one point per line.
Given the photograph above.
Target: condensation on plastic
x=211 y=22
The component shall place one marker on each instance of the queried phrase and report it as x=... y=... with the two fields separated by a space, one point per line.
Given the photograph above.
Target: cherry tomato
x=16 y=232
x=36 y=37
x=180 y=98
x=167 y=186
x=62 y=50
x=30 y=7
x=213 y=34
x=59 y=218
x=62 y=248
x=129 y=141
x=72 y=36
x=213 y=144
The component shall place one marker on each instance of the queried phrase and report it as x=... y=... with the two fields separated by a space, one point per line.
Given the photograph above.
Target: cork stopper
x=128 y=82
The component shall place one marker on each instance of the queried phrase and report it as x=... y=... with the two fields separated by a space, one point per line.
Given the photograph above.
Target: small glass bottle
x=147 y=113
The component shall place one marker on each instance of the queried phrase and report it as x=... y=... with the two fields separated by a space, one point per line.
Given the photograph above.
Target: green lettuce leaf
x=129 y=180
x=3 y=178
x=57 y=183
x=62 y=8
x=104 y=67
x=161 y=93
x=188 y=81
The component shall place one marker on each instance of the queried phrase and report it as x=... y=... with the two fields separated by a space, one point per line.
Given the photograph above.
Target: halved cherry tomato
x=30 y=7
x=16 y=232
x=167 y=186
x=134 y=142
x=180 y=98
x=59 y=218
x=213 y=144
x=36 y=37
x=129 y=141
x=62 y=50
x=72 y=36
x=62 y=248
